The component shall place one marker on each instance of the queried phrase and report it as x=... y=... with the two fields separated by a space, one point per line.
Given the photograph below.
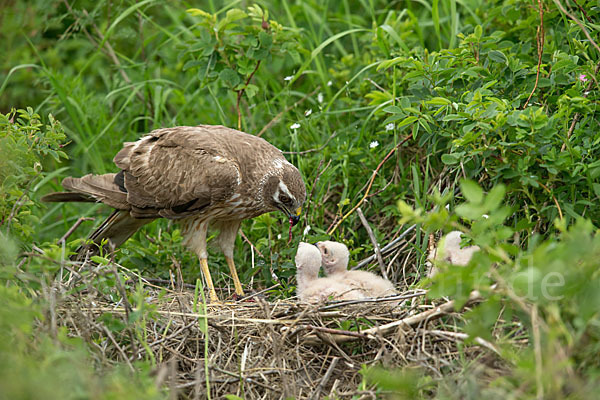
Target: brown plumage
x=335 y=257
x=200 y=176
x=312 y=289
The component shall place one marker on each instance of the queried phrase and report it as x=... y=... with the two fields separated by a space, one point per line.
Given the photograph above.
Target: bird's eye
x=284 y=198
x=325 y=251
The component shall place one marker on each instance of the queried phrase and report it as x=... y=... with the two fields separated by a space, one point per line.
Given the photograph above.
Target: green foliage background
x=449 y=82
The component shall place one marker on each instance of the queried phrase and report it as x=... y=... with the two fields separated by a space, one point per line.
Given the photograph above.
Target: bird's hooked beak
x=293 y=221
x=295 y=218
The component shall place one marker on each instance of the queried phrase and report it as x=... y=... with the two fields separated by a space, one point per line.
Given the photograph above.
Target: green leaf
x=498 y=56
x=229 y=77
x=596 y=187
x=407 y=121
x=450 y=159
x=193 y=63
x=197 y=12
x=470 y=211
x=251 y=90
x=440 y=101
x=471 y=190
x=494 y=197
x=100 y=260
x=233 y=15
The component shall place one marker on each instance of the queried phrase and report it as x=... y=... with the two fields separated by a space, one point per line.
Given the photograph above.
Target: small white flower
x=306 y=230
x=288 y=78
x=374 y=144
x=320 y=97
x=485 y=216
x=308 y=112
x=329 y=83
x=295 y=126
x=390 y=127
x=279 y=236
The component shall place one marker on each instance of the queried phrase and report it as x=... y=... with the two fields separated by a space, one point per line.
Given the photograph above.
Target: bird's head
x=286 y=192
x=308 y=260
x=335 y=256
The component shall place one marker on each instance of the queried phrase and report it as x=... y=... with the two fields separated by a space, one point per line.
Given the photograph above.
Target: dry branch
x=405 y=322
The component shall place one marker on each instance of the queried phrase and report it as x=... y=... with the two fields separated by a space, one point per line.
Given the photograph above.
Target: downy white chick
x=312 y=289
x=449 y=250
x=335 y=257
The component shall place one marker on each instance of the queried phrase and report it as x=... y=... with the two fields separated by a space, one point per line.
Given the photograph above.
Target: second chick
x=312 y=289
x=335 y=257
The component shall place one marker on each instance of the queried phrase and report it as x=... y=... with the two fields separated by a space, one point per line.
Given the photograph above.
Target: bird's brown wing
x=165 y=173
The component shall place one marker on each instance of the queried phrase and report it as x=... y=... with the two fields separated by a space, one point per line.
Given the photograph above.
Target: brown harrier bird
x=202 y=175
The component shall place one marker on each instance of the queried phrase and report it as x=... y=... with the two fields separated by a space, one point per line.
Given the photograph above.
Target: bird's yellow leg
x=211 y=288
x=236 y=281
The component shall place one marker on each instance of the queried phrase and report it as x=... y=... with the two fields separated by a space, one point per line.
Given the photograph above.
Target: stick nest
x=260 y=348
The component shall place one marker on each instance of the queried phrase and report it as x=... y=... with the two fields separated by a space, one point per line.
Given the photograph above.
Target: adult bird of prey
x=200 y=176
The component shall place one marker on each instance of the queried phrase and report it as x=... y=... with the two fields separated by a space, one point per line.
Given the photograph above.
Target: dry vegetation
x=257 y=348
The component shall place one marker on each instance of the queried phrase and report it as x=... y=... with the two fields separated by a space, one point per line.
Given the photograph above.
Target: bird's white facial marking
x=284 y=189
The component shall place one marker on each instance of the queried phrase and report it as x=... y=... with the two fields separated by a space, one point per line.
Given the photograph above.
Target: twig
x=464 y=336
x=333 y=331
x=585 y=32
x=72 y=229
x=240 y=377
x=119 y=348
x=276 y=118
x=540 y=47
x=260 y=292
x=408 y=321
x=161 y=282
x=560 y=214
x=250 y=243
x=240 y=93
x=196 y=315
x=583 y=11
x=126 y=304
x=537 y=350
x=325 y=379
x=371 y=180
x=389 y=247
x=337 y=304
x=312 y=150
x=374 y=241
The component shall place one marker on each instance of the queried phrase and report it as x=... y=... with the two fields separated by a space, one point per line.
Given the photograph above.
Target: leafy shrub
x=24 y=142
x=552 y=288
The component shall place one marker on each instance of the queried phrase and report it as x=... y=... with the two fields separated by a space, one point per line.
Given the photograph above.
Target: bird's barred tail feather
x=117 y=228
x=91 y=188
x=65 y=197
